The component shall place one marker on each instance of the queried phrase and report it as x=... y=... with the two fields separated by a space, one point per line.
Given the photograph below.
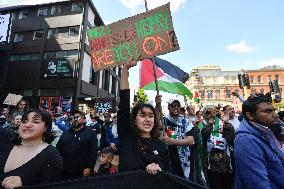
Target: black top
x=5 y=138
x=109 y=170
x=136 y=152
x=78 y=150
x=46 y=166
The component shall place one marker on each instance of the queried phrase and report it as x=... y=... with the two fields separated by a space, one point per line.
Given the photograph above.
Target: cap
x=173 y=100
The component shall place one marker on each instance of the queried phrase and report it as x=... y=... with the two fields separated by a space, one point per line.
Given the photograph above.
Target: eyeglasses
x=175 y=105
x=23 y=104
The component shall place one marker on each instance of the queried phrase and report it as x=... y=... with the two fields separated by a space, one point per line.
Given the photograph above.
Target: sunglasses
x=175 y=105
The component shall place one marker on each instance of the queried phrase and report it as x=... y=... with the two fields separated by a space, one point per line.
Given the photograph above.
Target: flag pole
x=158 y=105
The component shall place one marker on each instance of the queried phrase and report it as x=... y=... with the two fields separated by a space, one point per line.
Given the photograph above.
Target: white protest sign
x=12 y=99
x=4 y=27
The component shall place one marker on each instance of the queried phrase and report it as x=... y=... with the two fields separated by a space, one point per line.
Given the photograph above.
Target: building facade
x=48 y=54
x=213 y=85
x=260 y=78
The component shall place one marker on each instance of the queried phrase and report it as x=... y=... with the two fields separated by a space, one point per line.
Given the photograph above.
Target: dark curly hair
x=154 y=133
x=48 y=135
x=250 y=104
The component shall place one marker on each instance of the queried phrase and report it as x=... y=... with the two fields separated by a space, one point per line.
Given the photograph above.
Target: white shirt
x=235 y=122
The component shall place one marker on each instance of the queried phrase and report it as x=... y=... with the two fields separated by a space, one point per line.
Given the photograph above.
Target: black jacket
x=130 y=157
x=78 y=150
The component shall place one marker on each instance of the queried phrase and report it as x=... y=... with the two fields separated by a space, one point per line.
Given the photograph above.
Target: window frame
x=42 y=9
x=57 y=10
x=19 y=37
x=41 y=31
x=75 y=6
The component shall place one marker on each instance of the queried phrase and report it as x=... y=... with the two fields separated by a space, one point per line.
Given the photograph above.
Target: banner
x=44 y=103
x=4 y=27
x=103 y=105
x=57 y=68
x=66 y=103
x=129 y=180
x=132 y=39
x=12 y=99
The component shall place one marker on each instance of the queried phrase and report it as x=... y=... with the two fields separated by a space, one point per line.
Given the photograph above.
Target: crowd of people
x=212 y=146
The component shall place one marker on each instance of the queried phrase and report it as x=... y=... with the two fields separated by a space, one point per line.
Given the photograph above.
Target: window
x=38 y=35
x=269 y=77
x=277 y=77
x=251 y=79
x=35 y=56
x=60 y=54
x=72 y=54
x=113 y=85
x=14 y=58
x=77 y=7
x=259 y=79
x=42 y=11
x=24 y=57
x=228 y=93
x=23 y=14
x=52 y=33
x=49 y=55
x=202 y=94
x=55 y=10
x=210 y=93
x=106 y=80
x=19 y=37
x=74 y=31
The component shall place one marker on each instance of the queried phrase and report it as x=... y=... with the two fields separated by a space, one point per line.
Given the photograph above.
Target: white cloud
x=272 y=62
x=136 y=6
x=7 y=3
x=241 y=47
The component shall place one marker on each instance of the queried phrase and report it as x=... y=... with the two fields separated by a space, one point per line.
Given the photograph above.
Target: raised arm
x=123 y=115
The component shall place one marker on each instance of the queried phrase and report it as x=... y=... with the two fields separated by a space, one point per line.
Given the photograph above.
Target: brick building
x=259 y=78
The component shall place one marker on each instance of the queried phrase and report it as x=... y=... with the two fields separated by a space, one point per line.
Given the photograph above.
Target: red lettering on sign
x=152 y=44
x=148 y=40
x=108 y=53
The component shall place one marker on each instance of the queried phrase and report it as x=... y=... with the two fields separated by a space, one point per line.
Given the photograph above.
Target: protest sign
x=103 y=105
x=132 y=39
x=12 y=99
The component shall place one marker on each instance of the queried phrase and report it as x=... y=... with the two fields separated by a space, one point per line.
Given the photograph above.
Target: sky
x=234 y=34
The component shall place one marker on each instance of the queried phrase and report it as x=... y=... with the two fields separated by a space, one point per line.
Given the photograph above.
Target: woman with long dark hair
x=30 y=159
x=140 y=147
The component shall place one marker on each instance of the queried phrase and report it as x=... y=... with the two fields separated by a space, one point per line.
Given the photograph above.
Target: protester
x=61 y=121
x=22 y=107
x=140 y=147
x=180 y=131
x=259 y=146
x=233 y=119
x=39 y=162
x=191 y=114
x=16 y=122
x=78 y=148
x=112 y=136
x=5 y=136
x=104 y=128
x=217 y=140
x=5 y=117
x=105 y=158
x=281 y=115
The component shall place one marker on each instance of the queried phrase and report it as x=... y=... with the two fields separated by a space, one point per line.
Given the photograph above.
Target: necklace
x=31 y=145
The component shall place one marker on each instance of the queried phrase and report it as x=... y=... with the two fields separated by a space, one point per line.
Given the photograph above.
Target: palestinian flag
x=170 y=77
x=196 y=97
